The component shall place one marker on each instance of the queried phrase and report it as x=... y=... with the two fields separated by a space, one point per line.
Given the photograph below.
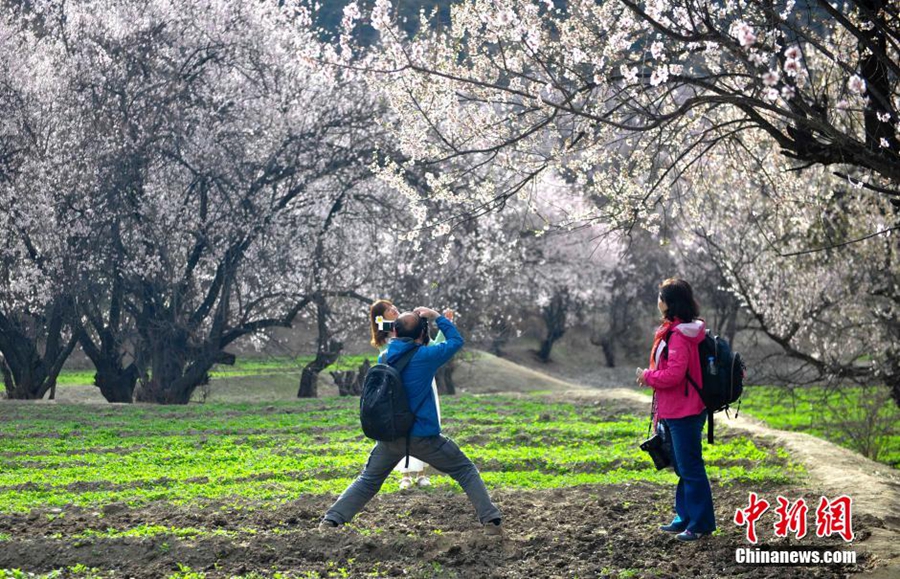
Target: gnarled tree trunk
x=554 y=315
x=29 y=371
x=350 y=382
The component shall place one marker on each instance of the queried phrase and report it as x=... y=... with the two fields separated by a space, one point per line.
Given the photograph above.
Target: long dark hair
x=678 y=296
x=379 y=338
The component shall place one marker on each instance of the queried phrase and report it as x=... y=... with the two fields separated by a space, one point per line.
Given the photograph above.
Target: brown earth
x=586 y=531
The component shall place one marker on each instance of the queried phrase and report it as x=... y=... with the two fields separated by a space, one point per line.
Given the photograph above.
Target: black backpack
x=384 y=407
x=723 y=377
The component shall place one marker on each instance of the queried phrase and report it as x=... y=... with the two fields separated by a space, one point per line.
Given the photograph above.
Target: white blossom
x=856 y=84
x=744 y=34
x=660 y=75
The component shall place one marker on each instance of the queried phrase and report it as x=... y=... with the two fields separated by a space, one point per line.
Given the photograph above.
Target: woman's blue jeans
x=693 y=497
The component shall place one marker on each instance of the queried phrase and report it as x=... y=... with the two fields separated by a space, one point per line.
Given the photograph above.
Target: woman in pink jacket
x=679 y=412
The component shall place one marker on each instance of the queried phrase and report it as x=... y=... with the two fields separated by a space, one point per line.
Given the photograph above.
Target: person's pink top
x=669 y=378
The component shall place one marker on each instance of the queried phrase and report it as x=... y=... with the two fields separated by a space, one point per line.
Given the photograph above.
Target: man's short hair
x=409 y=325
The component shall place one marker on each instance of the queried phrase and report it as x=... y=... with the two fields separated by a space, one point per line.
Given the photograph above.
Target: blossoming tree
x=189 y=152
x=644 y=102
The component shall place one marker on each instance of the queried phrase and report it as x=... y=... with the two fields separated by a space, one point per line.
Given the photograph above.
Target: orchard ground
x=236 y=486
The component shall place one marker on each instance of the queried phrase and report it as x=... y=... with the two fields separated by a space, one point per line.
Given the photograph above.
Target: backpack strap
x=404 y=360
x=709 y=415
x=665 y=354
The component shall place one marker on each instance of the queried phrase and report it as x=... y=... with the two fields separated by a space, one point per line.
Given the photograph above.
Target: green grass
x=251 y=454
x=865 y=420
x=242 y=367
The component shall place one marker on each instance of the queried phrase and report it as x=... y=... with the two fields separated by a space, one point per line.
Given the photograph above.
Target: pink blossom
x=771 y=78
x=884 y=143
x=788 y=92
x=856 y=84
x=884 y=117
x=792 y=67
x=657 y=50
x=770 y=95
x=792 y=53
x=744 y=34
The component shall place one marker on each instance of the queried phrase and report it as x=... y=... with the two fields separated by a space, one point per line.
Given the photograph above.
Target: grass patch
x=241 y=368
x=865 y=420
x=58 y=455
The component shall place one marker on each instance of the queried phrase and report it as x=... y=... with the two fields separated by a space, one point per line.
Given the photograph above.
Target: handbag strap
x=652 y=414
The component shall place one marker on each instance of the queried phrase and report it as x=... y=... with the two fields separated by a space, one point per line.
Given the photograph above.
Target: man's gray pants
x=438 y=451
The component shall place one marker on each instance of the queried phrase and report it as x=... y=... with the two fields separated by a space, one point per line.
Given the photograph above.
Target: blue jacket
x=420 y=372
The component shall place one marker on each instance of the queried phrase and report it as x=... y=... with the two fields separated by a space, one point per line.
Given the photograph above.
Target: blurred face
x=663 y=308
x=391 y=314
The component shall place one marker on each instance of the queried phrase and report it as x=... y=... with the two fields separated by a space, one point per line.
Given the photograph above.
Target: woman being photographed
x=415 y=473
x=678 y=410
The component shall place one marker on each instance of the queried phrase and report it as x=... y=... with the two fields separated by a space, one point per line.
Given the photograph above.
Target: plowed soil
x=587 y=531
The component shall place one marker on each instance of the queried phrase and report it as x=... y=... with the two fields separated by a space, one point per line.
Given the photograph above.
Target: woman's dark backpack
x=723 y=377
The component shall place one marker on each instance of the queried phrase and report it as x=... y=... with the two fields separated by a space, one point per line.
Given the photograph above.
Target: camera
x=660 y=452
x=384 y=325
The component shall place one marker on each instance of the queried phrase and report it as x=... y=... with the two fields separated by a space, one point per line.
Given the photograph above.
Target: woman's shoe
x=673 y=528
x=423 y=481
x=405 y=483
x=688 y=536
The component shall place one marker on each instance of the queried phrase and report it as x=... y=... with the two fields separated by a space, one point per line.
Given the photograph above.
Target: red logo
x=750 y=515
x=790 y=520
x=835 y=517
x=832 y=517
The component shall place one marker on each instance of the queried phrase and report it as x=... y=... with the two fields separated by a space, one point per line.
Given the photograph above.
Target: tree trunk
x=28 y=373
x=350 y=382
x=609 y=351
x=731 y=326
x=444 y=378
x=500 y=339
x=310 y=376
x=893 y=382
x=166 y=349
x=116 y=383
x=327 y=351
x=555 y=319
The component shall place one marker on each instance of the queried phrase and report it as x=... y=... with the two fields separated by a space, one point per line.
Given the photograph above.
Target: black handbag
x=658 y=450
x=658 y=446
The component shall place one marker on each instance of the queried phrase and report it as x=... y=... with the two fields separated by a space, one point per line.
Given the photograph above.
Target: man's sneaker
x=327 y=525
x=405 y=483
x=672 y=528
x=423 y=481
x=493 y=528
x=688 y=536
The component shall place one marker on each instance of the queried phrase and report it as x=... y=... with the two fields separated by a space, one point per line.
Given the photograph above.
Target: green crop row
x=90 y=456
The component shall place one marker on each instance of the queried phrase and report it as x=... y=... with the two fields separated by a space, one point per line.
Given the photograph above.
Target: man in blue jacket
x=426 y=441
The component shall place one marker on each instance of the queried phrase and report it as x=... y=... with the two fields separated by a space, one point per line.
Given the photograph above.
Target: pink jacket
x=670 y=377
